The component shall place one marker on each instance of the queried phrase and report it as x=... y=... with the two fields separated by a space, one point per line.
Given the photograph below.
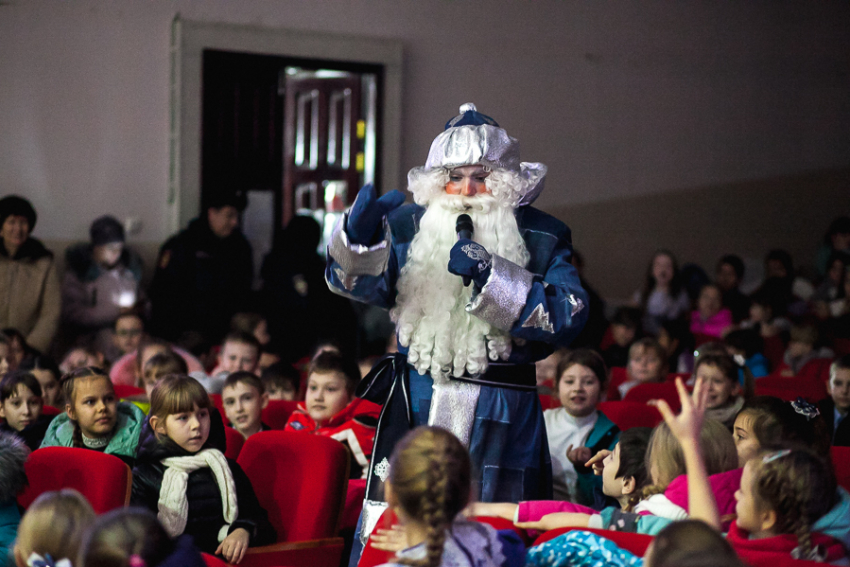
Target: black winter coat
x=205 y=508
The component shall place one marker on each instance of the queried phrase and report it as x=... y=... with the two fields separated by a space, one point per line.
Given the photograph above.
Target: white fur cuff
x=356 y=259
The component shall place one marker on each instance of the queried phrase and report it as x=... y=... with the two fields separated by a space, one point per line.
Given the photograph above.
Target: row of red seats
x=301 y=479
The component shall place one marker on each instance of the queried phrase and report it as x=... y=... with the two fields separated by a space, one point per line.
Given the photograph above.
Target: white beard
x=430 y=312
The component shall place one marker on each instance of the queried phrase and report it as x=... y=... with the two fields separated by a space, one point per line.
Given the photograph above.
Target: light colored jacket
x=30 y=297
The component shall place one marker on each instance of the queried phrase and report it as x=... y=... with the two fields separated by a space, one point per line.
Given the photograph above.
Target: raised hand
x=364 y=218
x=687 y=425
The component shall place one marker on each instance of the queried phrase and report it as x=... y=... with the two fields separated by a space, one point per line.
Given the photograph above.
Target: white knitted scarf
x=173 y=505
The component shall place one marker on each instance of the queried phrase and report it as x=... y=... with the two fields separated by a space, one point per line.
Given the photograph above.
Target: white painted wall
x=618 y=98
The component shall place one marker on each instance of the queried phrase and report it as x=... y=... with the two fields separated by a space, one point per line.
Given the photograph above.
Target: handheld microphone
x=464 y=229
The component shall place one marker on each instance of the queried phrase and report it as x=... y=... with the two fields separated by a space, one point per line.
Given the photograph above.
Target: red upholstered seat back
x=812 y=388
x=235 y=440
x=123 y=391
x=277 y=413
x=618 y=376
x=635 y=543
x=50 y=410
x=300 y=479
x=642 y=393
x=105 y=480
x=212 y=560
x=841 y=465
x=630 y=414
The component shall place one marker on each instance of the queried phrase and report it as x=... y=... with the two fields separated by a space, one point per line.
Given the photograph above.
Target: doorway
x=298 y=136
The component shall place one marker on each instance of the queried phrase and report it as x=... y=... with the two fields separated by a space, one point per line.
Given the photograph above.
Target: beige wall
x=623 y=101
x=702 y=224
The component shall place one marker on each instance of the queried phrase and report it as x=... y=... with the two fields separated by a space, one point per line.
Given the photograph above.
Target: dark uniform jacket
x=201 y=280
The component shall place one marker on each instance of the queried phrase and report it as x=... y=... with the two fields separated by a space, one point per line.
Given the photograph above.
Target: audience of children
x=678 y=344
x=240 y=352
x=256 y=325
x=647 y=363
x=577 y=430
x=20 y=407
x=94 y=418
x=128 y=370
x=133 y=537
x=81 y=357
x=332 y=410
x=182 y=474
x=52 y=529
x=784 y=491
x=728 y=276
x=244 y=398
x=13 y=479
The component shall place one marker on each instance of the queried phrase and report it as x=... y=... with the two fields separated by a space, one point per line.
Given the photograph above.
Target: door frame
x=189 y=39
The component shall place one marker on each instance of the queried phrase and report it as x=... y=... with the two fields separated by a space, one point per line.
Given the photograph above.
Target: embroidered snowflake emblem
x=382 y=470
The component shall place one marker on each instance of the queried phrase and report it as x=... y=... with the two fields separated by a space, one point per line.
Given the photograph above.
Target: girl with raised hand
x=782 y=494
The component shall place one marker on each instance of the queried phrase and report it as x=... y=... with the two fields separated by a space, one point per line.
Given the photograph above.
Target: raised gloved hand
x=471 y=261
x=364 y=218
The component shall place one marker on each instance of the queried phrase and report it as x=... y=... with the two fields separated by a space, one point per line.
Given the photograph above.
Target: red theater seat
x=618 y=376
x=841 y=464
x=123 y=391
x=642 y=393
x=277 y=413
x=235 y=440
x=630 y=414
x=105 y=480
x=301 y=480
x=812 y=389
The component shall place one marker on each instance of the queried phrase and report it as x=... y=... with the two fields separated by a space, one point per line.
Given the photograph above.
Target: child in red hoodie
x=330 y=408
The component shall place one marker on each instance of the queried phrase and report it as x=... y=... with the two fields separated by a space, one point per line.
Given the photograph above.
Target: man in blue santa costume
x=466 y=352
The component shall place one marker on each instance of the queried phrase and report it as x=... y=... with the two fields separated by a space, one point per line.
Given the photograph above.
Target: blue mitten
x=471 y=261
x=364 y=218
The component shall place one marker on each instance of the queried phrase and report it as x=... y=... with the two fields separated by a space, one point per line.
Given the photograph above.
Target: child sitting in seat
x=256 y=325
x=711 y=318
x=21 y=405
x=81 y=357
x=783 y=493
x=133 y=537
x=625 y=328
x=801 y=350
x=332 y=410
x=52 y=528
x=244 y=399
x=726 y=395
x=183 y=475
x=94 y=419
x=13 y=479
x=127 y=333
x=281 y=381
x=47 y=373
x=429 y=483
x=577 y=430
x=647 y=363
x=749 y=344
x=159 y=365
x=836 y=407
x=240 y=352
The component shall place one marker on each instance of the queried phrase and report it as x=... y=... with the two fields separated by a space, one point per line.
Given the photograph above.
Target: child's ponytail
x=430 y=479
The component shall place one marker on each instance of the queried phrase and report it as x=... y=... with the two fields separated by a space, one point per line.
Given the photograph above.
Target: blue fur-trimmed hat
x=469 y=116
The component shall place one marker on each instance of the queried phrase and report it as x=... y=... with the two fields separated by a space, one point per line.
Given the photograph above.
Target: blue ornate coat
x=543 y=306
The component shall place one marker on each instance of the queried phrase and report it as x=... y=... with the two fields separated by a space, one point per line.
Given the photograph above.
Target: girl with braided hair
x=429 y=484
x=782 y=494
